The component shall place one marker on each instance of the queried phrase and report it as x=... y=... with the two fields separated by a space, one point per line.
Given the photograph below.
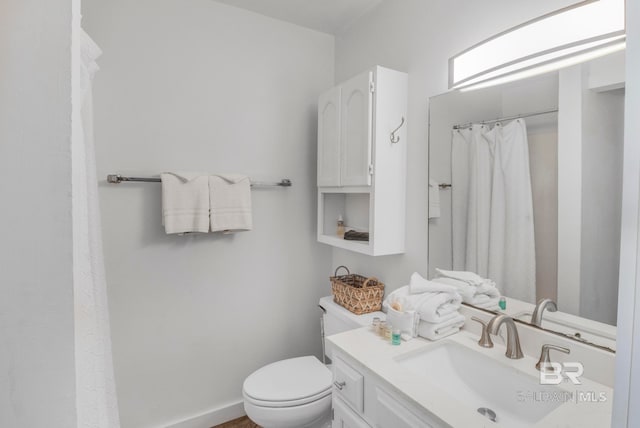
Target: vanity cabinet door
x=391 y=413
x=344 y=417
x=356 y=112
x=329 y=138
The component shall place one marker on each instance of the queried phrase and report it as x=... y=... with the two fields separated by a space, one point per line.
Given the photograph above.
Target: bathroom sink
x=481 y=382
x=604 y=337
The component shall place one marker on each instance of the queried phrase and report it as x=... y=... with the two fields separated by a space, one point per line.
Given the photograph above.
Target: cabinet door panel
x=356 y=130
x=329 y=138
x=390 y=413
x=344 y=417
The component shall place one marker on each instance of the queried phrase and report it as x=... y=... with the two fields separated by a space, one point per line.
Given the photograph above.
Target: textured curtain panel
x=493 y=232
x=95 y=387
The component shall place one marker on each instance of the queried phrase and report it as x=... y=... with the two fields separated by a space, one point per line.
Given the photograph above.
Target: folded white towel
x=492 y=304
x=433 y=331
x=484 y=295
x=230 y=202
x=434 y=198
x=185 y=202
x=430 y=306
x=471 y=278
x=418 y=284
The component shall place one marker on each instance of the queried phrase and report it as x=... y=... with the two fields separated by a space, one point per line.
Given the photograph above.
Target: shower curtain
x=492 y=212
x=95 y=386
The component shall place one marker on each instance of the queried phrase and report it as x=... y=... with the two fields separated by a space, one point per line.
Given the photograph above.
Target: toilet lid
x=288 y=382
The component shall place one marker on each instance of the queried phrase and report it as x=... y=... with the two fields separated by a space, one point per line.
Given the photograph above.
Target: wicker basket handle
x=366 y=282
x=338 y=268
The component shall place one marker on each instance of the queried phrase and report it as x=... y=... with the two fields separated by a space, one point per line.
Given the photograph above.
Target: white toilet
x=296 y=393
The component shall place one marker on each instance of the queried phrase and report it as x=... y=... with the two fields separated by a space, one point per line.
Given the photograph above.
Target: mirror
x=526 y=189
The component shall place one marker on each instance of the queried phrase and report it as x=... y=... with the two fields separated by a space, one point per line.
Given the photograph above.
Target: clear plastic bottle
x=387 y=332
x=382 y=327
x=340 y=228
x=374 y=324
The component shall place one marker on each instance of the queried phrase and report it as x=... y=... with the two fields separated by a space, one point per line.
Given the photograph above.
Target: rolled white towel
x=436 y=331
x=430 y=306
x=475 y=295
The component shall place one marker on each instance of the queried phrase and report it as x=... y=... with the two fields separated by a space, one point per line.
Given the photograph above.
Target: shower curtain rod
x=519 y=116
x=117 y=179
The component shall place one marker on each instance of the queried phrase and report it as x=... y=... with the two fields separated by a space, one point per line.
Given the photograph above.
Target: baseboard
x=212 y=417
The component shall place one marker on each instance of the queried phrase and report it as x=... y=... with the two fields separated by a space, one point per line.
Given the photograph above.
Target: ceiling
x=328 y=16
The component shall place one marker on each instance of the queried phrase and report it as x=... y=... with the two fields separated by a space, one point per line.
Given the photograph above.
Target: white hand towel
x=185 y=202
x=434 y=199
x=434 y=331
x=230 y=202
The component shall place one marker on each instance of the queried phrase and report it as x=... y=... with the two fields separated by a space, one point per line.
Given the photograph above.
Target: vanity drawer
x=348 y=384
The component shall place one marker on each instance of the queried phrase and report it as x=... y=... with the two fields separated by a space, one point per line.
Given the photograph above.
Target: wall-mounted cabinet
x=361 y=171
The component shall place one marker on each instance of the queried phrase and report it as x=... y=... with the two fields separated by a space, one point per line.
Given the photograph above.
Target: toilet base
x=316 y=414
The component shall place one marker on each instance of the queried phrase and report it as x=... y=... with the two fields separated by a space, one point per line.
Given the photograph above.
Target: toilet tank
x=337 y=319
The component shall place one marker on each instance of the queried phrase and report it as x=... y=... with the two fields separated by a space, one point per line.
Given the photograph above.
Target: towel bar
x=117 y=179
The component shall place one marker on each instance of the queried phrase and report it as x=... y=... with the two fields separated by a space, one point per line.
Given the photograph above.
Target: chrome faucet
x=548 y=304
x=513 y=340
x=544 y=361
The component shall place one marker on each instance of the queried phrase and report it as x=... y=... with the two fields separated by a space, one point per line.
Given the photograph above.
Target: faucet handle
x=544 y=360
x=485 y=338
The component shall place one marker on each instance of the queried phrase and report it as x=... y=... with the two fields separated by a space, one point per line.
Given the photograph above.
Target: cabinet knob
x=339 y=385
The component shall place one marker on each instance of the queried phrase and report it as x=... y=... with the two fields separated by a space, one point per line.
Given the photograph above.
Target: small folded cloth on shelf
x=433 y=331
x=352 y=235
x=474 y=289
x=230 y=202
x=185 y=202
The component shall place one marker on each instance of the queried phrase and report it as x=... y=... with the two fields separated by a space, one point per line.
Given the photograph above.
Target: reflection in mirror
x=525 y=189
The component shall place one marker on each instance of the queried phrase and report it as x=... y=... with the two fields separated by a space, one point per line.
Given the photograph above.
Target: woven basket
x=358 y=294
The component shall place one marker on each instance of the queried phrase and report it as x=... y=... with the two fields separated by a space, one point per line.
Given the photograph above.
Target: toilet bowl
x=293 y=393
x=296 y=393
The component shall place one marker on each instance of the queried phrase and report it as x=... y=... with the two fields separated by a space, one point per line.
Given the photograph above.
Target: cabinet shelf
x=357 y=246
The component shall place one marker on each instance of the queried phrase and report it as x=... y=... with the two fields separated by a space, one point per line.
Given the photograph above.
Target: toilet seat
x=288 y=383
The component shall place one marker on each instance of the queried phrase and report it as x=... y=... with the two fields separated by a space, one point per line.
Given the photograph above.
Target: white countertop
x=377 y=355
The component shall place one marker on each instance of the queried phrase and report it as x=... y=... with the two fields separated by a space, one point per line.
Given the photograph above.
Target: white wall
x=206 y=87
x=423 y=36
x=627 y=384
x=602 y=160
x=37 y=370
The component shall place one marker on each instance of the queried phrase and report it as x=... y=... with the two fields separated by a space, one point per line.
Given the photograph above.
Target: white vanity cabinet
x=361 y=170
x=362 y=400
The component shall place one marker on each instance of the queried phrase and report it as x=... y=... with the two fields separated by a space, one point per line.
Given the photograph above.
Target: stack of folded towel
x=425 y=308
x=474 y=289
x=198 y=202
